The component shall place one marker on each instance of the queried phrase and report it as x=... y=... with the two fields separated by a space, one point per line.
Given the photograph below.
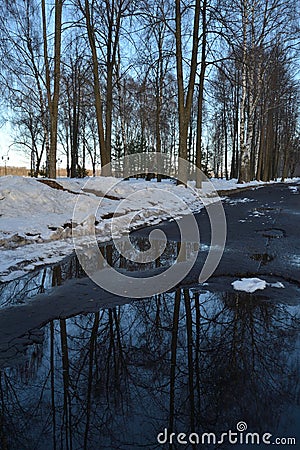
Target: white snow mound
x=253 y=284
x=249 y=284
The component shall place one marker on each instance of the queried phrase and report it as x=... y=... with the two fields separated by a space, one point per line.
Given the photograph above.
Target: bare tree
x=201 y=92
x=23 y=78
x=53 y=97
x=185 y=101
x=104 y=44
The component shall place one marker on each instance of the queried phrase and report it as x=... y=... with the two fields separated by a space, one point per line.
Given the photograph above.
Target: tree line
x=212 y=81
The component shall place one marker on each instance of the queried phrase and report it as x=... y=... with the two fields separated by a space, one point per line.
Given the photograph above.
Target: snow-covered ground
x=36 y=220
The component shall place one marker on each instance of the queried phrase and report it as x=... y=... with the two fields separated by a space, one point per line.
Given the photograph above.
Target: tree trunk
x=105 y=158
x=201 y=94
x=244 y=175
x=185 y=104
x=55 y=99
x=159 y=93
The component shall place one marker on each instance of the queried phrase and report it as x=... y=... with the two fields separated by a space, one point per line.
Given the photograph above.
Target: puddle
x=272 y=233
x=194 y=359
x=263 y=258
x=197 y=359
x=43 y=280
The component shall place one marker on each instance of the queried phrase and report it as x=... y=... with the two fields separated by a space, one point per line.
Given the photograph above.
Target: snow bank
x=36 y=220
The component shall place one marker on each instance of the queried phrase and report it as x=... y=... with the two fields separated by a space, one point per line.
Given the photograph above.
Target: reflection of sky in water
x=191 y=360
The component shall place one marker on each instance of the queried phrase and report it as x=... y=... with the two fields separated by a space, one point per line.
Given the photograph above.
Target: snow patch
x=249 y=284
x=294 y=189
x=253 y=284
x=276 y=285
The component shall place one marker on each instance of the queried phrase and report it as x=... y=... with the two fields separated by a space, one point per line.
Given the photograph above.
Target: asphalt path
x=263 y=234
x=262 y=241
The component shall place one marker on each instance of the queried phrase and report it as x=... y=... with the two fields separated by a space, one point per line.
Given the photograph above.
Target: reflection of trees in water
x=245 y=375
x=42 y=280
x=15 y=291
x=39 y=281
x=187 y=361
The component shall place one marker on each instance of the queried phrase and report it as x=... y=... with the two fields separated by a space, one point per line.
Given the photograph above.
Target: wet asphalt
x=263 y=234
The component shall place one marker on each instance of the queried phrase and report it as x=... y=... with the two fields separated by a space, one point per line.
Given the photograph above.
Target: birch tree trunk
x=244 y=174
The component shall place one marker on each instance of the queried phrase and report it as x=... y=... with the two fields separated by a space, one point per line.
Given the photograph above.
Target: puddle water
x=196 y=360
x=43 y=280
x=188 y=361
x=272 y=233
x=263 y=258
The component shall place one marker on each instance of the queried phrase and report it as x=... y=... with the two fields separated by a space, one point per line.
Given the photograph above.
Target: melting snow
x=294 y=189
x=253 y=284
